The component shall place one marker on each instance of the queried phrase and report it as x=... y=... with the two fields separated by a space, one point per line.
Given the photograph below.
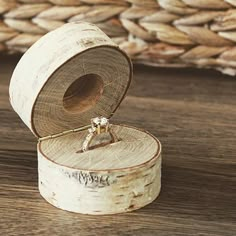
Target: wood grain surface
x=192 y=112
x=50 y=79
x=137 y=147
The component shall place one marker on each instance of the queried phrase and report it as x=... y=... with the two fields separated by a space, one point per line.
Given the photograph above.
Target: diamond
x=100 y=121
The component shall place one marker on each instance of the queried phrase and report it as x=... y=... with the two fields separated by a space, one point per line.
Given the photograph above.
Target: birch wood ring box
x=68 y=77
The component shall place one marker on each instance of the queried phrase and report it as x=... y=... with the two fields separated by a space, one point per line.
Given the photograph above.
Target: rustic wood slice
x=110 y=178
x=69 y=76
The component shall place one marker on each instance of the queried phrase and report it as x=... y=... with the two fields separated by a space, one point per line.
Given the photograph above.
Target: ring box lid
x=67 y=77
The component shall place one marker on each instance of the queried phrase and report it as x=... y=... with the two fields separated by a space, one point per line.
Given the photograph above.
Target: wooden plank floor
x=192 y=112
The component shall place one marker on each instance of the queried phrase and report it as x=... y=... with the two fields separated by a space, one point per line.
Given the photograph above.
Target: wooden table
x=192 y=112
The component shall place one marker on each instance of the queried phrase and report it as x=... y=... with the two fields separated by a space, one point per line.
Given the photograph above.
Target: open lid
x=69 y=76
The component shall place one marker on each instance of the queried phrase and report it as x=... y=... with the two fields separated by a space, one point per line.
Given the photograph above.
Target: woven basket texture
x=172 y=33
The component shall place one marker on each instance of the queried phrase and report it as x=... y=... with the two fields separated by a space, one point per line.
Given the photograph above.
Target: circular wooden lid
x=134 y=149
x=69 y=76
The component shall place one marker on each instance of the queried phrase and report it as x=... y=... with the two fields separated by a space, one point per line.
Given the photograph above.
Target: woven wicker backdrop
x=177 y=33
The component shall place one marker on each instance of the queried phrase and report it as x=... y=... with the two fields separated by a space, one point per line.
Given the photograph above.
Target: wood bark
x=69 y=76
x=109 y=179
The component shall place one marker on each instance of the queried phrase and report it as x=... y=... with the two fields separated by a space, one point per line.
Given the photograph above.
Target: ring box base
x=118 y=179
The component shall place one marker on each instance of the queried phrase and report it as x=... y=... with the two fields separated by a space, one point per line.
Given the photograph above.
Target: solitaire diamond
x=100 y=121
